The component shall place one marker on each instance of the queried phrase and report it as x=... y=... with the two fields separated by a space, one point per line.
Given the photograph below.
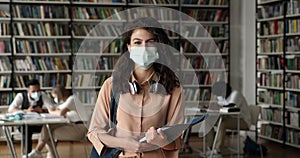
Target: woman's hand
x=156 y=137
x=133 y=145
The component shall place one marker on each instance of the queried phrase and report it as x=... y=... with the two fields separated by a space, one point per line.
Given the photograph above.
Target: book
x=174 y=131
x=229 y=109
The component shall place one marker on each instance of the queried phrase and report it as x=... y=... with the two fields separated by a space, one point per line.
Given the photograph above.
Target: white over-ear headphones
x=135 y=88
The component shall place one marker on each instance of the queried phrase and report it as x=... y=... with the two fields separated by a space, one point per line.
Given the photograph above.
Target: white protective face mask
x=35 y=96
x=144 y=56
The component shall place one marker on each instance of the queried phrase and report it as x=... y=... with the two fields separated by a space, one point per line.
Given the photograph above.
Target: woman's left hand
x=156 y=137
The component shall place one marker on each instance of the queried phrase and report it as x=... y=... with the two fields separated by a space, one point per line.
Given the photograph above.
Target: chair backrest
x=255 y=110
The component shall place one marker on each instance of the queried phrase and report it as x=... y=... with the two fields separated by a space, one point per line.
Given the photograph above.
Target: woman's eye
x=136 y=43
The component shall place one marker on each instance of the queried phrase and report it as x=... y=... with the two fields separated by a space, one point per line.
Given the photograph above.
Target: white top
x=239 y=100
x=77 y=112
x=18 y=100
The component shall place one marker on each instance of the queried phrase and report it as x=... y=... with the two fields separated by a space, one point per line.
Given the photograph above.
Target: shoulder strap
x=25 y=103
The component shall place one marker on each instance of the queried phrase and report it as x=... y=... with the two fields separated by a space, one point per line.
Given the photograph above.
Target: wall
x=242 y=37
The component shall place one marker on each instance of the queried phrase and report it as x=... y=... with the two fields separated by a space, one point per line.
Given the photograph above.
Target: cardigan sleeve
x=100 y=118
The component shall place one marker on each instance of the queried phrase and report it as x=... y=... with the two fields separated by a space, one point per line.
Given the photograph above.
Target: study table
x=29 y=122
x=192 y=112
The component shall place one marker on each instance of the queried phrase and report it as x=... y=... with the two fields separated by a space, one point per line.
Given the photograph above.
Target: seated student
x=33 y=100
x=228 y=97
x=73 y=131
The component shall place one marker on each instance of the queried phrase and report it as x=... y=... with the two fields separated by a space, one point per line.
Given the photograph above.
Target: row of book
x=41 y=64
x=95 y=63
x=86 y=97
x=206 y=2
x=5 y=47
x=6 y=98
x=293 y=43
x=293 y=136
x=293 y=99
x=98 y=31
x=271 y=97
x=270 y=79
x=293 y=119
x=196 y=94
x=270 y=62
x=204 y=62
x=206 y=31
x=270 y=45
x=272 y=131
x=4 y=29
x=203 y=78
x=96 y=13
x=43 y=46
x=293 y=81
x=272 y=114
x=45 y=80
x=208 y=15
x=293 y=62
x=276 y=45
x=40 y=11
x=41 y=29
x=205 y=46
x=293 y=26
x=276 y=27
x=5 y=81
x=93 y=80
x=293 y=7
x=270 y=11
x=5 y=64
x=97 y=46
x=4 y=14
x=160 y=14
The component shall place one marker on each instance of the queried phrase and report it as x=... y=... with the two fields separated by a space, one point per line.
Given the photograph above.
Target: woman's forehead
x=141 y=34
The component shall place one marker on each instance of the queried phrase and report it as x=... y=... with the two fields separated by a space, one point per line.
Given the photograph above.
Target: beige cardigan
x=136 y=113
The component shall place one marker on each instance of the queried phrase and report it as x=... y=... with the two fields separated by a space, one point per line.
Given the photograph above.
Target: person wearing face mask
x=150 y=97
x=33 y=100
x=67 y=105
x=227 y=97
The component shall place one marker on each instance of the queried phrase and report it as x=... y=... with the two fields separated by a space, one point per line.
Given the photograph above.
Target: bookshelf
x=278 y=90
x=5 y=55
x=213 y=63
x=45 y=41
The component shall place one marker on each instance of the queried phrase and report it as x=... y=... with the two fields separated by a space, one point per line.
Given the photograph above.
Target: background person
x=75 y=130
x=33 y=100
x=138 y=82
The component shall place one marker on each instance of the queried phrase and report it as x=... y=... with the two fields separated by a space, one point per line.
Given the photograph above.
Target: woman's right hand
x=132 y=144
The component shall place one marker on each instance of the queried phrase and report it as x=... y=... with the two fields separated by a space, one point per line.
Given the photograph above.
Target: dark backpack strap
x=110 y=152
x=114 y=101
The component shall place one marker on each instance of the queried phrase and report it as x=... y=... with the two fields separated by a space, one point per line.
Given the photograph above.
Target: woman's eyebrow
x=150 y=39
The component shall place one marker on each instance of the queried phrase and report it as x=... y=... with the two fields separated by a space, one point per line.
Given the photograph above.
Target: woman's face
x=141 y=37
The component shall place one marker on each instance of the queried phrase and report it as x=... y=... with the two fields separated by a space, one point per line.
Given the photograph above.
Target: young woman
x=150 y=96
x=75 y=130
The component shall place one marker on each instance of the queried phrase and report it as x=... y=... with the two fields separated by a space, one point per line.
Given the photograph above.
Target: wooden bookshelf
x=278 y=91
x=45 y=38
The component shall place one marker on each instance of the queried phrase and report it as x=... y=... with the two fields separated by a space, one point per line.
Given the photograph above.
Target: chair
x=254 y=112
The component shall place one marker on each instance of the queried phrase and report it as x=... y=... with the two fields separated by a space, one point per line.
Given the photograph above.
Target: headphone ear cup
x=131 y=88
x=134 y=88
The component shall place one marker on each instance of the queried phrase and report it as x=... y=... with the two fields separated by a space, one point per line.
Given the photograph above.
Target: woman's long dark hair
x=125 y=65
